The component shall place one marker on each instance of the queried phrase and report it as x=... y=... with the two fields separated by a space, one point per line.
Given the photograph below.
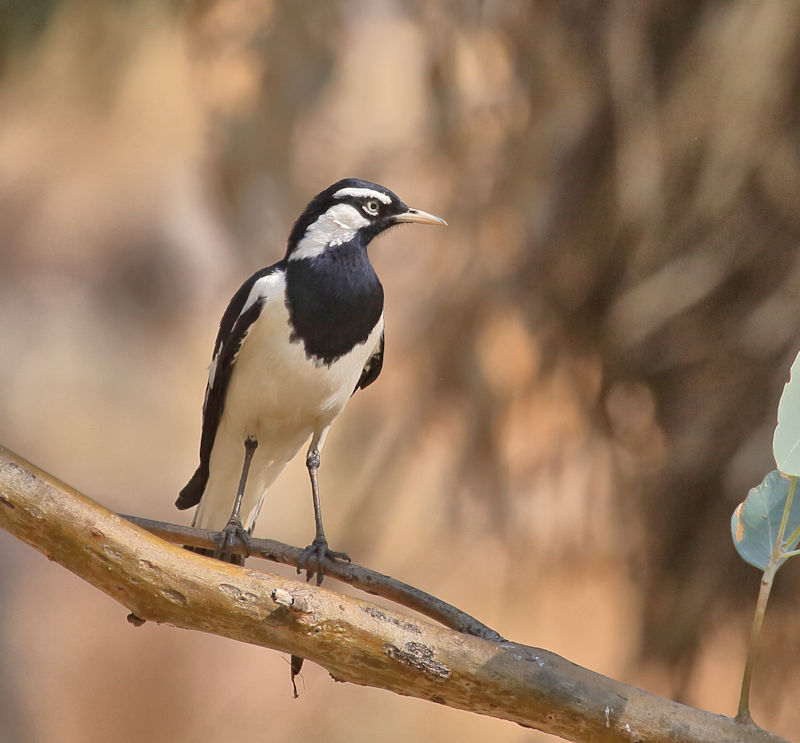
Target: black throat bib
x=334 y=299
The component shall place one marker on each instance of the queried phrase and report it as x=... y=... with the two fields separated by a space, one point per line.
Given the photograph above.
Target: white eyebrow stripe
x=362 y=192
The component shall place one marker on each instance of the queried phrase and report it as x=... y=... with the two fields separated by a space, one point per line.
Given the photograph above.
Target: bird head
x=350 y=210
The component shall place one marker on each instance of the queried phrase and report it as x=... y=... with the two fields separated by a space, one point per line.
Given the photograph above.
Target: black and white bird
x=295 y=343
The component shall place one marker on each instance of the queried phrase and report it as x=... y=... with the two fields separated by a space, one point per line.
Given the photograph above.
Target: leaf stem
x=785 y=517
x=743 y=715
x=790 y=541
x=776 y=559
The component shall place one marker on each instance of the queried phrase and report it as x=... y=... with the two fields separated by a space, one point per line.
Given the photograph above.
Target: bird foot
x=313 y=557
x=232 y=535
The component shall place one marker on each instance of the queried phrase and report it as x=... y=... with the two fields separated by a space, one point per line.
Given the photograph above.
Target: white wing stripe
x=263 y=289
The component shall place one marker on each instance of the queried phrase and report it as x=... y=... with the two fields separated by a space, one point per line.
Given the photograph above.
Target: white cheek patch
x=337 y=226
x=363 y=193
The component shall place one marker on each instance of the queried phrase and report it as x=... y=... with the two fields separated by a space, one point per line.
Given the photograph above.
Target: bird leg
x=313 y=556
x=234 y=532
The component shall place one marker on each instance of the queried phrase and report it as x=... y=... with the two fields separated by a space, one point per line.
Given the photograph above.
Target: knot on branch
x=289 y=600
x=418 y=656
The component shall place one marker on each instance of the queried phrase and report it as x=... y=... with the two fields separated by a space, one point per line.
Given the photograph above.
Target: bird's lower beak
x=420 y=217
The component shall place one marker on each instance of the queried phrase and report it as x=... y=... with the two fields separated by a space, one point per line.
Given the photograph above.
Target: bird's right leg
x=234 y=532
x=312 y=557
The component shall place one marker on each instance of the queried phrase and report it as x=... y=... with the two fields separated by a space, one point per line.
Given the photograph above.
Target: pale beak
x=420 y=217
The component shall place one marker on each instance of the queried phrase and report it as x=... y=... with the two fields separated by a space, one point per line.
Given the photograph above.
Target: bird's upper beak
x=420 y=217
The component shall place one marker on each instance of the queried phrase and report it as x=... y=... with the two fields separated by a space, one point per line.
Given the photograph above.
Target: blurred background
x=581 y=375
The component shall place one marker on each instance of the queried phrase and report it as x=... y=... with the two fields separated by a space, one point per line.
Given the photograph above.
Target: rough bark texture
x=363 y=578
x=354 y=640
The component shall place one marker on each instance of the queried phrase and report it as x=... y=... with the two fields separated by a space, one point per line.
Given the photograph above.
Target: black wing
x=372 y=368
x=232 y=331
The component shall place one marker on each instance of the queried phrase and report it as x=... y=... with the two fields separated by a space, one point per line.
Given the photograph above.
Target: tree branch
x=354 y=640
x=363 y=578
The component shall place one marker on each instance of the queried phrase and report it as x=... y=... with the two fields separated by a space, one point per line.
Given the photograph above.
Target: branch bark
x=354 y=640
x=363 y=578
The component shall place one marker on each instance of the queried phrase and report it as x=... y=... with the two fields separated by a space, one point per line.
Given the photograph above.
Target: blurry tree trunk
x=354 y=640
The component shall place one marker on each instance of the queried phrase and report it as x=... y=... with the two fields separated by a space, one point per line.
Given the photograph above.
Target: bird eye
x=371 y=207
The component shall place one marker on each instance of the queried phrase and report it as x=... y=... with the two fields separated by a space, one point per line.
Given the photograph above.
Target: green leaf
x=786 y=440
x=755 y=522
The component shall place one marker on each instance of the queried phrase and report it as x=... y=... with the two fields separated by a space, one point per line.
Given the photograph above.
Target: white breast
x=278 y=395
x=275 y=385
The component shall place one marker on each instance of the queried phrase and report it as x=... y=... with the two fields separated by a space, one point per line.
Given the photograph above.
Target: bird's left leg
x=314 y=555
x=234 y=531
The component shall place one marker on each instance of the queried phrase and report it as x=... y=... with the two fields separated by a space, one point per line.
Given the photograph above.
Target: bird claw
x=316 y=552
x=229 y=537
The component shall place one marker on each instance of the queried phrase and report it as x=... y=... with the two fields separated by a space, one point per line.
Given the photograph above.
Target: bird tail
x=193 y=490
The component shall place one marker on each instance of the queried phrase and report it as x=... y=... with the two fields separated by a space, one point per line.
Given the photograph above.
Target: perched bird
x=295 y=343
